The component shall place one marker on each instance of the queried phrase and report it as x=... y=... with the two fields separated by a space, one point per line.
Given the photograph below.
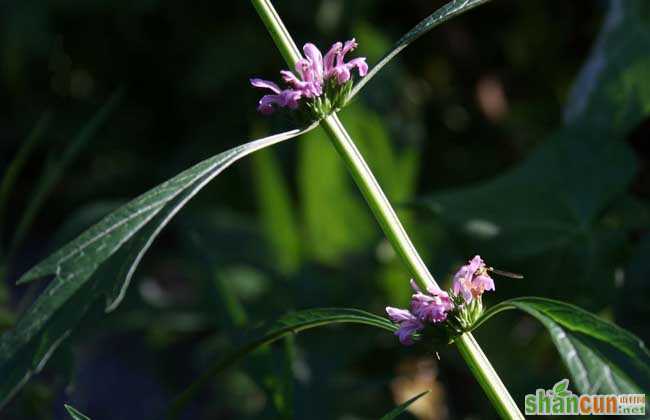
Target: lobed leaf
x=101 y=261
x=547 y=212
x=600 y=356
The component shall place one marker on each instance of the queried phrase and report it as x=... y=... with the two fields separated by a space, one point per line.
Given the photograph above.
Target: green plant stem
x=377 y=200
x=278 y=31
x=467 y=345
x=487 y=377
x=387 y=218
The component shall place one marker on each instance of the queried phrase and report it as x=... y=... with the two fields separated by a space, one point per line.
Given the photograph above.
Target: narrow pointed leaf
x=600 y=356
x=75 y=414
x=56 y=167
x=443 y=14
x=403 y=407
x=101 y=261
x=15 y=167
x=288 y=324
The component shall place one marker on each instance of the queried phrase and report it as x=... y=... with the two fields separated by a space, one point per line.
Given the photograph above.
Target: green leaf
x=108 y=253
x=286 y=325
x=601 y=357
x=402 y=407
x=326 y=188
x=440 y=16
x=276 y=211
x=18 y=162
x=611 y=89
x=55 y=168
x=281 y=384
x=75 y=414
x=548 y=211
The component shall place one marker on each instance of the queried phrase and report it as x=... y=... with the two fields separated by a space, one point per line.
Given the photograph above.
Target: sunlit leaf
x=403 y=407
x=326 y=188
x=122 y=237
x=601 y=357
x=443 y=14
x=74 y=413
x=288 y=324
x=276 y=211
x=327 y=198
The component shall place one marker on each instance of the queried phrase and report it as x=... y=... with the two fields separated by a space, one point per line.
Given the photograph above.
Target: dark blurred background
x=286 y=229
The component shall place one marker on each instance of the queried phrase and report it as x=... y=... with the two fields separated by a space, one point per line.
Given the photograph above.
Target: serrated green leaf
x=288 y=324
x=600 y=356
x=403 y=407
x=122 y=237
x=74 y=413
x=440 y=16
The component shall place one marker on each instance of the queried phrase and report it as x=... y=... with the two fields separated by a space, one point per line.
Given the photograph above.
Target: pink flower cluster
x=472 y=280
x=469 y=283
x=314 y=72
x=432 y=306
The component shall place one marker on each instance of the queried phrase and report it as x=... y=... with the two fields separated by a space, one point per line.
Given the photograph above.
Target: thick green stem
x=387 y=218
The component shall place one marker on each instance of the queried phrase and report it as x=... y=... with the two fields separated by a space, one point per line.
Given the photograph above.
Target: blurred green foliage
x=489 y=97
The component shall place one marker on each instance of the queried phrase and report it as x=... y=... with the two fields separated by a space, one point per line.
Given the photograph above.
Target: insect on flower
x=503 y=273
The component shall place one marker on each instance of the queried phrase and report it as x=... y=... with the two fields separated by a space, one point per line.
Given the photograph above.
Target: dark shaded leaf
x=19 y=161
x=548 y=211
x=55 y=167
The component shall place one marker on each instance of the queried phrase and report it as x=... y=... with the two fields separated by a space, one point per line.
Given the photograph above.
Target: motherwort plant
x=317 y=88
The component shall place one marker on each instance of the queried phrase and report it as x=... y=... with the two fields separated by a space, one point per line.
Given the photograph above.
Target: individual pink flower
x=472 y=280
x=408 y=324
x=336 y=67
x=283 y=98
